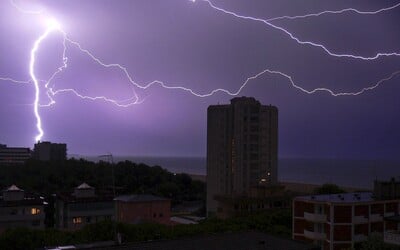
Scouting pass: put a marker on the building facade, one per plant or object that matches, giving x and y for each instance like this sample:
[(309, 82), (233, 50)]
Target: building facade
[(48, 151), (242, 148), (134, 209), (13, 155), (341, 221), (82, 207), (20, 209)]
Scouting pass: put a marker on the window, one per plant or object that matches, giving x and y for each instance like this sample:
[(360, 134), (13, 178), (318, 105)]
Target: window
[(77, 220), (36, 223), (160, 215), (35, 211), (88, 219)]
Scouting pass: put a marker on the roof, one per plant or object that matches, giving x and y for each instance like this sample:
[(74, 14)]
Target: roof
[(395, 218), (221, 241), (14, 188), (139, 198), (340, 198), (84, 186)]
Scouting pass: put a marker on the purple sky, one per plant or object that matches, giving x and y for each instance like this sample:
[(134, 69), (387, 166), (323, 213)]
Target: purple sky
[(194, 46)]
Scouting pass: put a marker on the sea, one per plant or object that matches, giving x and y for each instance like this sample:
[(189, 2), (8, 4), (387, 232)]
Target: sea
[(343, 172)]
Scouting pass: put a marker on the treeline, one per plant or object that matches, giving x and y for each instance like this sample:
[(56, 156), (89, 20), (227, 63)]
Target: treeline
[(46, 178), (277, 222)]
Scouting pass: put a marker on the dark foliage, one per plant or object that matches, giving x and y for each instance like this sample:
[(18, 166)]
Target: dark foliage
[(277, 222), (329, 189), (46, 178)]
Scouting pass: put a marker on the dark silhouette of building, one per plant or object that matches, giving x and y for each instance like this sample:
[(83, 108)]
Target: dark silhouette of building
[(242, 148), (13, 155), (47, 151), (83, 206), (386, 190), (21, 209)]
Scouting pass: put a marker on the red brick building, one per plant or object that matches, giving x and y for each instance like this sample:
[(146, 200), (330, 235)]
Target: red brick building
[(136, 209), (341, 221)]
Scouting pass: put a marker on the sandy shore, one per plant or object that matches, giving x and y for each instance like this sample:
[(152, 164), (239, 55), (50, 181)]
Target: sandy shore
[(292, 186)]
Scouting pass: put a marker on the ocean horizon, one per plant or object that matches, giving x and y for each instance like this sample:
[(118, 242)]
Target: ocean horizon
[(343, 172)]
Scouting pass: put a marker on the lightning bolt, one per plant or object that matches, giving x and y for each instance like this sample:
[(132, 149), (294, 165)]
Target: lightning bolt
[(53, 26), (13, 80), (25, 11), (36, 81), (333, 12), (296, 39)]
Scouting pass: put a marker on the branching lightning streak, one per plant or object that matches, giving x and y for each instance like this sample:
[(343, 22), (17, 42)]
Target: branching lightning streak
[(13, 80), (32, 12), (51, 93), (334, 12), (313, 44), (265, 71)]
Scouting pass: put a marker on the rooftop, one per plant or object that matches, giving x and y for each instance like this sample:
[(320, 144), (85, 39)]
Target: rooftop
[(139, 198), (13, 188), (84, 186), (340, 198)]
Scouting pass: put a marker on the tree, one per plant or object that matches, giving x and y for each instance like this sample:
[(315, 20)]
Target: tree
[(328, 188)]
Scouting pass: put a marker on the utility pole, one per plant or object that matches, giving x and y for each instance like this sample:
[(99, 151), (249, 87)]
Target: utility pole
[(110, 159)]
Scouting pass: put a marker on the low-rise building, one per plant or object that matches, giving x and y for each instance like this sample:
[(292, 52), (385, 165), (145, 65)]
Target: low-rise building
[(140, 208), (341, 221), (389, 190), (82, 207), (20, 209), (13, 155)]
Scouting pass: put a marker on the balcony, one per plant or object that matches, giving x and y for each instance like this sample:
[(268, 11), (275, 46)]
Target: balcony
[(375, 218), (315, 217), (359, 237), (21, 217), (392, 237), (314, 235), (360, 219), (388, 214)]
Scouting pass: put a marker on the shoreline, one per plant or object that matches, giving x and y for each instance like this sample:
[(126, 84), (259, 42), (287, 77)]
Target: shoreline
[(294, 186)]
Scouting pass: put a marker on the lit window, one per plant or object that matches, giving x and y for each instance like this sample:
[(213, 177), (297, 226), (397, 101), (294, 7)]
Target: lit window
[(35, 211), (77, 220)]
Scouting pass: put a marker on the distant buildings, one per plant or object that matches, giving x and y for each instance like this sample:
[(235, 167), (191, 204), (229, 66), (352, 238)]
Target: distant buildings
[(385, 190), (342, 221), (86, 206), (82, 207), (13, 155), (20, 209), (242, 148), (138, 208), (47, 151)]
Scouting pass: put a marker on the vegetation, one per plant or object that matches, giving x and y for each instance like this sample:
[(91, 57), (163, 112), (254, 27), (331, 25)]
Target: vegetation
[(276, 222), (329, 188), (46, 178)]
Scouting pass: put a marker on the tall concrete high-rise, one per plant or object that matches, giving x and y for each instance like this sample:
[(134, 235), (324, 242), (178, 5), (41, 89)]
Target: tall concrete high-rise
[(242, 148)]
